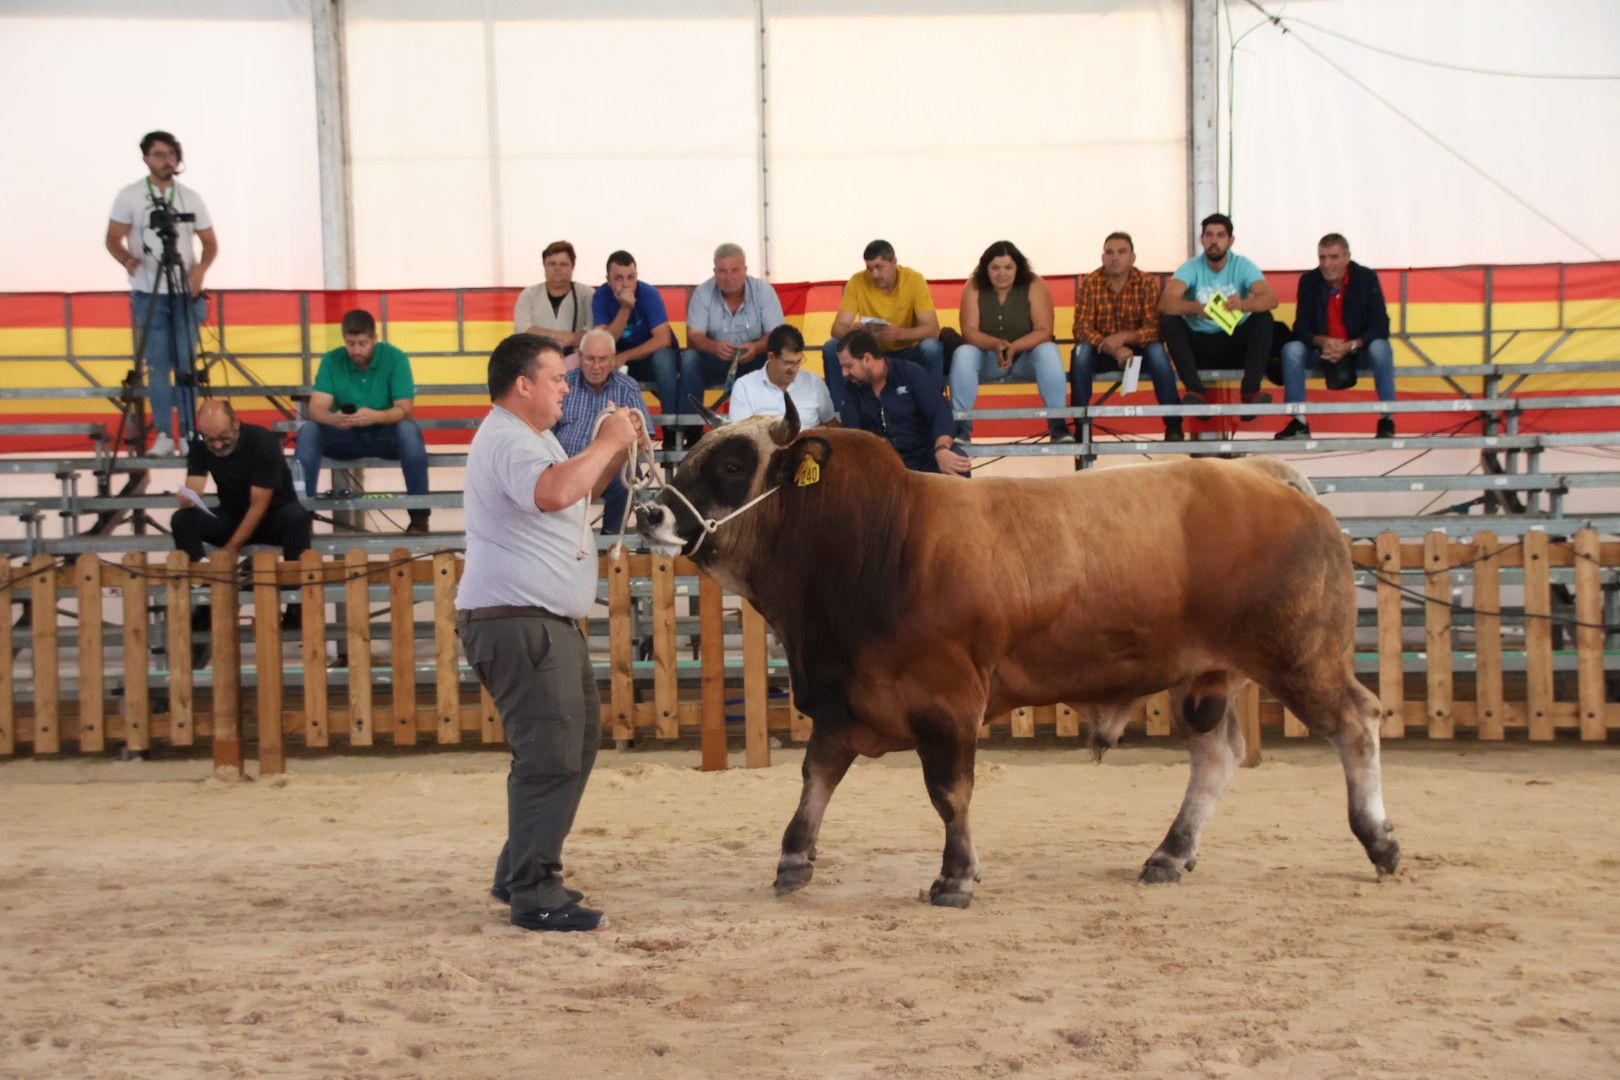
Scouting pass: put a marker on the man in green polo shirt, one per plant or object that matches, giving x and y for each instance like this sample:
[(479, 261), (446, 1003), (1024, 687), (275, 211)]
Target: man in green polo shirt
[(362, 405)]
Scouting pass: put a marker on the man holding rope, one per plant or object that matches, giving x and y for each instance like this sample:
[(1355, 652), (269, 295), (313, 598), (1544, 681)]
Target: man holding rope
[(527, 584)]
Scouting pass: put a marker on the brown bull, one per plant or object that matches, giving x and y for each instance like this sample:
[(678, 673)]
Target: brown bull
[(911, 606)]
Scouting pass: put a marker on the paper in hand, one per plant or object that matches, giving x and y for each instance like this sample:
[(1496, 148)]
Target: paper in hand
[(1131, 376), (1221, 315), (195, 500)]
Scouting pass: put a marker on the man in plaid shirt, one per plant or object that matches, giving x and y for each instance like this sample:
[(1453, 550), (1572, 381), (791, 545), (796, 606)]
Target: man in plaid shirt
[(1116, 316), (592, 386)]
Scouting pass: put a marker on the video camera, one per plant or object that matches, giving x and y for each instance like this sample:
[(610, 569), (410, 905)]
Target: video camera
[(164, 220)]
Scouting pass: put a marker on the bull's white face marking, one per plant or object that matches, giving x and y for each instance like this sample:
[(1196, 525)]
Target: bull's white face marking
[(662, 534)]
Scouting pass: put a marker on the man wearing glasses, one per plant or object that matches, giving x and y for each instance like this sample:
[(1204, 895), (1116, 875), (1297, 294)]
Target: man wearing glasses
[(257, 504), (597, 383)]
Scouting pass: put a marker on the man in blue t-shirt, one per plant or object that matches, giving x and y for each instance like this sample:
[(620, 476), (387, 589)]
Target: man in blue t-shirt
[(1196, 341), (634, 314), (899, 402)]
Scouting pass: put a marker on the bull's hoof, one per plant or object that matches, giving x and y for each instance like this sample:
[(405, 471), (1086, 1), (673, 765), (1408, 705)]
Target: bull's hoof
[(1158, 874), (941, 898), (793, 878), (1387, 860)]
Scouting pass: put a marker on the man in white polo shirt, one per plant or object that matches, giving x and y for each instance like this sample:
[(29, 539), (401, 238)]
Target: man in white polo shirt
[(763, 392), (526, 585)]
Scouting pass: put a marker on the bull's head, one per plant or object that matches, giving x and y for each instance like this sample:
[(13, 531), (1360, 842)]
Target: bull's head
[(721, 477)]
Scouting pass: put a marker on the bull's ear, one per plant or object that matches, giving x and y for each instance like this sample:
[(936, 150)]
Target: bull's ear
[(801, 464), (710, 417), (785, 430)]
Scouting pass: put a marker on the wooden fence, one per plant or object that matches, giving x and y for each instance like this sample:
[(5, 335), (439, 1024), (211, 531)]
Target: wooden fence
[(683, 659)]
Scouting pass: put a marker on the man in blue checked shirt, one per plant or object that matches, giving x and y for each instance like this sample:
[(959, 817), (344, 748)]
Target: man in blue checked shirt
[(596, 383)]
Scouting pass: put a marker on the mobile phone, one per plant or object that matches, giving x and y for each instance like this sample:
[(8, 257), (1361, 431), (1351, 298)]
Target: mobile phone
[(346, 410)]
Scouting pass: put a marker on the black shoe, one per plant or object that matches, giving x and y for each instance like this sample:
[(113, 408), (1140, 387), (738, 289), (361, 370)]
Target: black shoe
[(1193, 397), (1172, 430), (568, 917), (1386, 428), (293, 617), (1294, 428), (1060, 432), (574, 895), (419, 524), (1254, 397)]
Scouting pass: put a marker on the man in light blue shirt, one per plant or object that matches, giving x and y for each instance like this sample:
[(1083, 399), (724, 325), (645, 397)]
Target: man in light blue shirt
[(764, 392), (727, 322), (1196, 341), (594, 385)]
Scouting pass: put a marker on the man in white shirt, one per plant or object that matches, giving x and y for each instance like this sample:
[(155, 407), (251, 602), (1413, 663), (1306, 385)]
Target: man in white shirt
[(762, 392), (165, 326)]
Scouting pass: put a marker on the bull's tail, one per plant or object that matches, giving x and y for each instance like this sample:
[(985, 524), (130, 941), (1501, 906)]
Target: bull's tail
[(1282, 471)]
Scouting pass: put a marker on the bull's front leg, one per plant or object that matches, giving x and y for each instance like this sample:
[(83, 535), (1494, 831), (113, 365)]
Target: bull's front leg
[(826, 759), (947, 749)]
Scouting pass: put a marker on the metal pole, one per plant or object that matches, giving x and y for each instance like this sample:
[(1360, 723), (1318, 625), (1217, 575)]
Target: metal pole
[(1203, 107), (762, 86), (332, 142)]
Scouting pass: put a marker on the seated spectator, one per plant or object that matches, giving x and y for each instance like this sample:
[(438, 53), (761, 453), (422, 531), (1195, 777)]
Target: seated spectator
[(727, 322), (559, 307), (1341, 325), (635, 316), (1195, 341), (899, 401), (257, 503), (764, 392), (1116, 317), (594, 385), (891, 302), (1007, 329), (362, 406)]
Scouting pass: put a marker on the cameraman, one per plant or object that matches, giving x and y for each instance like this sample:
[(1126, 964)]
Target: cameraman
[(171, 342)]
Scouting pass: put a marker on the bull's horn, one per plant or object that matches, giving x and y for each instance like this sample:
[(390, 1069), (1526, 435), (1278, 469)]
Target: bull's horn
[(785, 430), (710, 417)]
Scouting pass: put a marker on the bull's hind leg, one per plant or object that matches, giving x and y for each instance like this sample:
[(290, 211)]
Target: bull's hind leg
[(947, 748), (1215, 746), (1348, 716), (826, 759)]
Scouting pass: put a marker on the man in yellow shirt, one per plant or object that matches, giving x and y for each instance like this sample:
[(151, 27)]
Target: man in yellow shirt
[(894, 304)]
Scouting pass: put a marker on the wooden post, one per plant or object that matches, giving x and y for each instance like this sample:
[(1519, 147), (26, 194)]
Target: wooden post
[(447, 684), (226, 630), (756, 690), (92, 684), (1023, 722), (1437, 632), (1391, 676), (712, 658), (402, 620), (1488, 705), (47, 687), (267, 659), (1589, 635), (800, 726), (137, 656), (8, 684), (357, 599), (1538, 636), (1067, 723), (621, 679), (1293, 727), (1158, 714), (1248, 706), (312, 629), (663, 647), (182, 725)]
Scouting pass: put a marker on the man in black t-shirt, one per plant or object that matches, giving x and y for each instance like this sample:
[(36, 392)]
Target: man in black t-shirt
[(257, 504)]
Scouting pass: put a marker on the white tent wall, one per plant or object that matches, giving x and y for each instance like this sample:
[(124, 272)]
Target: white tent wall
[(82, 81), (942, 126), (1316, 153)]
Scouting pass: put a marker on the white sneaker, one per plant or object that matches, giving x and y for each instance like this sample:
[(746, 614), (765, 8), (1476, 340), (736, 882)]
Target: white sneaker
[(163, 446)]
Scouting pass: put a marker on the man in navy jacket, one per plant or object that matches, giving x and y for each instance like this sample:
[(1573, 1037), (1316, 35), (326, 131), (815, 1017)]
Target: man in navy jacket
[(1340, 326), (899, 401)]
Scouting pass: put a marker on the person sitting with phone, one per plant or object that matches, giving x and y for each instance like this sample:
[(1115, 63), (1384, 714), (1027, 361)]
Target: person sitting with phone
[(362, 406)]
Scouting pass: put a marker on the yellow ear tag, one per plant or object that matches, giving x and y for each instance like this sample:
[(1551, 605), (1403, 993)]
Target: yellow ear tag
[(809, 472)]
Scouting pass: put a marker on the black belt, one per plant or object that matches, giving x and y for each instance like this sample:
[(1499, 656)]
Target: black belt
[(507, 611)]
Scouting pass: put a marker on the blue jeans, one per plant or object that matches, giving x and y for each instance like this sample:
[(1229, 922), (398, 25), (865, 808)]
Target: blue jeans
[(662, 369), (401, 442), (970, 366), (701, 370), (928, 352), (1377, 357), (1087, 361), (173, 330)]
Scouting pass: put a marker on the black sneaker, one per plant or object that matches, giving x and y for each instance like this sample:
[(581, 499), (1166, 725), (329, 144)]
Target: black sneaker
[(498, 893), (1254, 397), (1172, 430), (1386, 428), (1193, 397), (1060, 432), (1293, 429), (569, 917)]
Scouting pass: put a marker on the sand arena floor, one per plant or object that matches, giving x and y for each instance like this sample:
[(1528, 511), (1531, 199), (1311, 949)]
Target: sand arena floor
[(334, 922)]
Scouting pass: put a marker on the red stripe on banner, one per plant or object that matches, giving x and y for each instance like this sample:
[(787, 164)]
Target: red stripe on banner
[(24, 311), (793, 297), (1592, 281), (261, 308), (494, 305), (674, 301)]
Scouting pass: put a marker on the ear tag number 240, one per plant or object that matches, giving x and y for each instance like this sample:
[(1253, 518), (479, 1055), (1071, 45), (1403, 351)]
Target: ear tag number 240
[(809, 472)]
